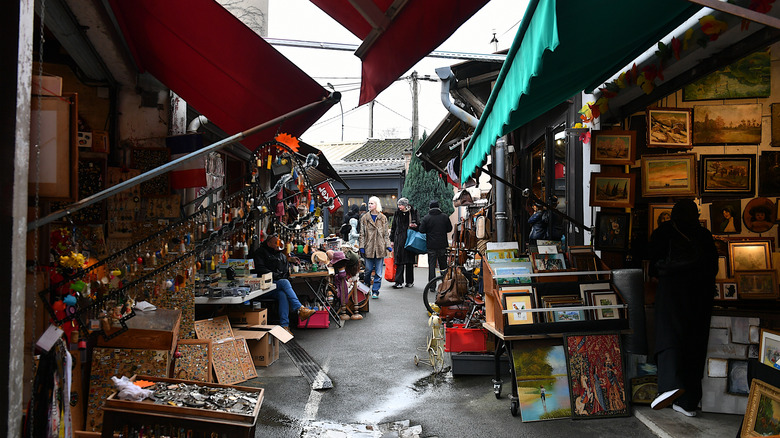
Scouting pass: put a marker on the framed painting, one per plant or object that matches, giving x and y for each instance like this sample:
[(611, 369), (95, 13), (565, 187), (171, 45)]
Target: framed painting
[(605, 299), (588, 287), (717, 292), (553, 301), (725, 215), (669, 175), (775, 110), (769, 348), (542, 382), (749, 255), (769, 173), (730, 291), (737, 381), (762, 406), (53, 127), (548, 262), (757, 285), (567, 315), (669, 128), (727, 124), (613, 147), (596, 375), (612, 231), (759, 215), (518, 301), (612, 189), (745, 78), (727, 175), (658, 214)]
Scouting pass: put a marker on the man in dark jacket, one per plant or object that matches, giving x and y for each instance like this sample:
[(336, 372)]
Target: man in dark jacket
[(436, 225), (269, 257)]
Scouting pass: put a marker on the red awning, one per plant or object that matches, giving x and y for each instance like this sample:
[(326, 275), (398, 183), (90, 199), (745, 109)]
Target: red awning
[(218, 65), (396, 34)]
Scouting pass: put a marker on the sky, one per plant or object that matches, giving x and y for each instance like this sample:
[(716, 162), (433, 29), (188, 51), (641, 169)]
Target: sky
[(302, 20)]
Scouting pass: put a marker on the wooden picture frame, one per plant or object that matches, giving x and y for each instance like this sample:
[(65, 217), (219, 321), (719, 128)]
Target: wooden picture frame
[(567, 315), (596, 354), (727, 124), (612, 189), (613, 147), (763, 400), (657, 214), (54, 127), (548, 262), (669, 128), (605, 299), (725, 216), (669, 175), (613, 231), (730, 291), (727, 175), (518, 301), (769, 348), (750, 255), (759, 215), (757, 285)]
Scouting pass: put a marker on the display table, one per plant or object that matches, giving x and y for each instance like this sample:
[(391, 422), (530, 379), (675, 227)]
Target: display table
[(317, 283), (234, 300)]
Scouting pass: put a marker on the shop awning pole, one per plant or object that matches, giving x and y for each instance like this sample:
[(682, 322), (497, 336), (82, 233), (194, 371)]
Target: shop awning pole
[(97, 197)]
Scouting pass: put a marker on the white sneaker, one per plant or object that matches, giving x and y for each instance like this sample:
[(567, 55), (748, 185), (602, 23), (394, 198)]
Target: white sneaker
[(665, 399), (679, 409)]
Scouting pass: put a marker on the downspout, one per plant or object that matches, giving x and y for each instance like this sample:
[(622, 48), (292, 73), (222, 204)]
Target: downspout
[(192, 128), (445, 74)]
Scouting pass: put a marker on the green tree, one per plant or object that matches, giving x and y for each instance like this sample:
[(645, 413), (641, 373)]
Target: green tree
[(421, 187)]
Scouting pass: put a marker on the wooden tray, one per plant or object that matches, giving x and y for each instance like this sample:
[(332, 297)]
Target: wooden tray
[(149, 407)]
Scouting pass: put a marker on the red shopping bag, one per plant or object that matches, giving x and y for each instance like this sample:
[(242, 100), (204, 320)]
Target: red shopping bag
[(389, 269)]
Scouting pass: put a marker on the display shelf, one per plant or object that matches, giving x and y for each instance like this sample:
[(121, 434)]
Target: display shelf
[(234, 300)]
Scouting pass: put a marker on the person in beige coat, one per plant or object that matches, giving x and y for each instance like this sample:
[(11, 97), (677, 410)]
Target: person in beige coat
[(374, 243)]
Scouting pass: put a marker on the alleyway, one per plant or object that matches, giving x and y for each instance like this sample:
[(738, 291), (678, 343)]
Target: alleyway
[(376, 382)]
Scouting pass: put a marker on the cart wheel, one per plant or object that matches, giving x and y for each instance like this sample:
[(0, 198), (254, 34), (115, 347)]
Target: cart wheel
[(437, 359), (514, 407), (497, 388), (416, 360)]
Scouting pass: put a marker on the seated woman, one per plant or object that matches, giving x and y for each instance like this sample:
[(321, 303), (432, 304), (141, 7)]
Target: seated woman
[(269, 257)]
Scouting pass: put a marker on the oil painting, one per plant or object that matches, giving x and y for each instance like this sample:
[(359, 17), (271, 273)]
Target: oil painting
[(612, 190), (669, 127), (761, 415), (542, 382), (727, 124), (669, 175), (613, 147), (727, 175), (725, 216), (744, 78)]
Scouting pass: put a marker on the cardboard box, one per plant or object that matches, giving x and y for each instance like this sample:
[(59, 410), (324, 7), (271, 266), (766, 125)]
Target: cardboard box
[(250, 317), (46, 85), (263, 342)]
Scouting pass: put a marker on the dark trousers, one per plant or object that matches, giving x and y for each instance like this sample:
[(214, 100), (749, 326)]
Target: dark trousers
[(436, 256), (681, 369), (400, 269)]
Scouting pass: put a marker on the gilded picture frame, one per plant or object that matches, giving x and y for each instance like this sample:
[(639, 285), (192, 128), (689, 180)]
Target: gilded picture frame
[(669, 175), (612, 189), (613, 147), (669, 128), (763, 401), (757, 285), (727, 175)]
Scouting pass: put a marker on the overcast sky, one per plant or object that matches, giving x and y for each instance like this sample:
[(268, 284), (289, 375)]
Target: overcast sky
[(302, 20)]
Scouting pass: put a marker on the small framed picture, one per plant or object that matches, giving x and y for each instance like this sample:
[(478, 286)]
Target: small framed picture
[(750, 255), (612, 231), (548, 262), (730, 291), (612, 189), (567, 315), (606, 299), (757, 285), (669, 128), (769, 348), (613, 147), (659, 213), (518, 301), (717, 292), (759, 215)]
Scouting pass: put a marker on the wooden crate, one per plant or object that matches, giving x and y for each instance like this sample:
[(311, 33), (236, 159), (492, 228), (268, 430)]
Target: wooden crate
[(151, 330)]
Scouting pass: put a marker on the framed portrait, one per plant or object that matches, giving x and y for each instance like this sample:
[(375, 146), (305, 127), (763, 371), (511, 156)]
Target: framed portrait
[(658, 214), (763, 403), (730, 291), (727, 175), (769, 173), (757, 285), (596, 354), (669, 175), (669, 128), (605, 299), (613, 147), (769, 348), (518, 301), (759, 215), (725, 216), (612, 189), (548, 262), (612, 231), (737, 381), (727, 124), (749, 255), (53, 127), (744, 78)]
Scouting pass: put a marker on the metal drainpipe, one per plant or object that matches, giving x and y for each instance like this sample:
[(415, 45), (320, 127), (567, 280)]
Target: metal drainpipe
[(501, 218), (192, 128), (445, 74)]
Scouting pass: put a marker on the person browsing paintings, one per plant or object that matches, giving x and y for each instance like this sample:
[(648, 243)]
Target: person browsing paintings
[(405, 218), (538, 222), (374, 243), (436, 225), (270, 257), (684, 262)]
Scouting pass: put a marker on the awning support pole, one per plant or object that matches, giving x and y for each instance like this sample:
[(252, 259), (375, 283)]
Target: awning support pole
[(97, 197), (500, 160)]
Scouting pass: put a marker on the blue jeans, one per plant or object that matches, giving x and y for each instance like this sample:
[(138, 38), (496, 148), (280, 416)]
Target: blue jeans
[(378, 265), (287, 299)]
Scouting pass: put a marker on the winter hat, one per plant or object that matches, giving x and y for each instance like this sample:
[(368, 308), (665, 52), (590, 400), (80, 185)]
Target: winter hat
[(403, 201), (434, 204), (363, 207), (337, 257), (353, 208)]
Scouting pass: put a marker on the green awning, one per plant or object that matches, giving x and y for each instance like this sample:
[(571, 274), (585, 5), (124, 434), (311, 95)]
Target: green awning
[(561, 49)]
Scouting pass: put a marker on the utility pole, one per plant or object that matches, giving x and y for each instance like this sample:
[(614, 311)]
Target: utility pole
[(371, 119), (415, 119)]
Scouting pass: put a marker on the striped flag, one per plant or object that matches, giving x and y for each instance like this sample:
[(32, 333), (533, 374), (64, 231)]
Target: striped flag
[(193, 172)]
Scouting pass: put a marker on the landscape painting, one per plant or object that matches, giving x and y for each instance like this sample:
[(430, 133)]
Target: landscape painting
[(747, 77), (612, 189), (727, 124), (727, 175), (669, 127), (542, 382), (669, 175)]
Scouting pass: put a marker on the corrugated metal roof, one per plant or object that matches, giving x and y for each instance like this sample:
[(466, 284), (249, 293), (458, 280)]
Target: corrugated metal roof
[(335, 152), (369, 167)]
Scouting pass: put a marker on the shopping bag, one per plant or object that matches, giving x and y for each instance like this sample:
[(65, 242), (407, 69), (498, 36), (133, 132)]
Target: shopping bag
[(416, 242), (389, 269)]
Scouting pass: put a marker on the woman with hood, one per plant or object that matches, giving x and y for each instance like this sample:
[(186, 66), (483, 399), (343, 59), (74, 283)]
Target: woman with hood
[(684, 260)]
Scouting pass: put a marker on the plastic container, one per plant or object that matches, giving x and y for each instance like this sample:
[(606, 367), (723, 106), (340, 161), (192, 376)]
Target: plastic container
[(459, 339), (476, 364)]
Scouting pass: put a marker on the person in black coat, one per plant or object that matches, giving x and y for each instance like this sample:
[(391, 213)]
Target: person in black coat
[(436, 225), (405, 218), (354, 213), (684, 260)]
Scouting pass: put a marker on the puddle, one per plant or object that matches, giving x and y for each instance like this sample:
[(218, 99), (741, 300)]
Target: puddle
[(433, 380), (273, 418)]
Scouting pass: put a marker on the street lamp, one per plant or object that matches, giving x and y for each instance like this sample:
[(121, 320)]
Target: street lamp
[(342, 110)]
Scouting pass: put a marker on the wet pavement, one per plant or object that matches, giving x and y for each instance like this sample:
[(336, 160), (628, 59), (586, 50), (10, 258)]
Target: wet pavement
[(378, 391)]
